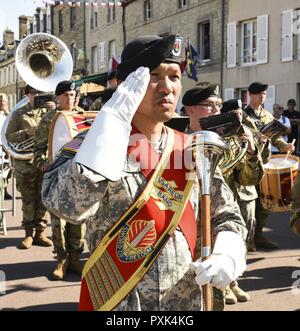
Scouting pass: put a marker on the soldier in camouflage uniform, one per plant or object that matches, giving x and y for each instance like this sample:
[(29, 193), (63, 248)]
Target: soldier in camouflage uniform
[(21, 127), (98, 186), (204, 101), (261, 117), (68, 239), (98, 103)]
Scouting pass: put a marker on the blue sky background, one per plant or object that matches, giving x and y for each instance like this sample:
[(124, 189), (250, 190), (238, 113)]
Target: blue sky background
[(10, 10)]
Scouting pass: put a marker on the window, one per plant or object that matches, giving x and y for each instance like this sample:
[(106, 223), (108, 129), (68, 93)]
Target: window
[(244, 97), (249, 42), (148, 10), (49, 19), (94, 59), (102, 62), (72, 16), (94, 17), (182, 4), (45, 23), (14, 73), (61, 21), (74, 54), (111, 13), (1, 78), (204, 40)]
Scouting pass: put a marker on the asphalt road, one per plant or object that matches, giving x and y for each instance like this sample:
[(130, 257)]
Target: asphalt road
[(28, 286)]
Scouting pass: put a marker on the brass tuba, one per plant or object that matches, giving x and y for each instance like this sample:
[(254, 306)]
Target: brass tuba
[(42, 60)]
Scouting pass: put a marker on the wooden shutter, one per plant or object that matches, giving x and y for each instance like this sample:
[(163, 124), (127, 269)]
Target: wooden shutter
[(262, 38), (231, 45), (287, 35)]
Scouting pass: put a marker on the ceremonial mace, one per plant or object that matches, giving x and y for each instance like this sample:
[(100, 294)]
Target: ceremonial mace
[(208, 149)]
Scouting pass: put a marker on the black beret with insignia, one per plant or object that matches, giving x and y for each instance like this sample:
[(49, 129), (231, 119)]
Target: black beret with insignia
[(64, 86), (231, 104), (257, 87), (149, 51), (200, 93)]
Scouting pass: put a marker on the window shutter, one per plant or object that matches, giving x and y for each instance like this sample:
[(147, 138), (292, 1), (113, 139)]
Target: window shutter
[(270, 100), (228, 94), (287, 35), (262, 38), (231, 45)]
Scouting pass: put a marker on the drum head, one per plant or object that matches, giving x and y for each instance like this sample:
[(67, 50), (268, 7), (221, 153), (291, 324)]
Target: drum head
[(59, 135)]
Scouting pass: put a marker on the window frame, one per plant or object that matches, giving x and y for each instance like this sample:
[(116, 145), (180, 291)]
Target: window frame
[(200, 45), (73, 16), (251, 63), (111, 13), (182, 4), (61, 21), (149, 4)]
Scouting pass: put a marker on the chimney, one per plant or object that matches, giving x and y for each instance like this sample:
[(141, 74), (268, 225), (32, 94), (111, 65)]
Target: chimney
[(22, 26), (8, 37)]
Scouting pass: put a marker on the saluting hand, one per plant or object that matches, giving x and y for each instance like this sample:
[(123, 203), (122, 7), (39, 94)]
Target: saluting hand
[(128, 96)]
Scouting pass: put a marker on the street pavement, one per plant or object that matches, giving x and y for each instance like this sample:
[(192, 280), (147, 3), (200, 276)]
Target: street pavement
[(268, 279)]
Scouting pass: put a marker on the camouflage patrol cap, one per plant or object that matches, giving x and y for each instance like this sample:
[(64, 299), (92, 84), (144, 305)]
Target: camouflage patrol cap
[(149, 51)]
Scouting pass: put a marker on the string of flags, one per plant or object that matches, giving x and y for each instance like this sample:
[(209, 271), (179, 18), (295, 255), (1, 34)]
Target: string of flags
[(103, 3)]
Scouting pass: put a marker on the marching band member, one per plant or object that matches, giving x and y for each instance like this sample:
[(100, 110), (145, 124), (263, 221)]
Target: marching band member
[(21, 127), (6, 168), (204, 101), (68, 239), (261, 117), (111, 185), (295, 213)]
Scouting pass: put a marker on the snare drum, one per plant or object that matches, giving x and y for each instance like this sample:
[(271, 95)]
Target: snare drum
[(277, 183), (64, 127)]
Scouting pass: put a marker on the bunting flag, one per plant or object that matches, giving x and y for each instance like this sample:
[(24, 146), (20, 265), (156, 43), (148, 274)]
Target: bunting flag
[(93, 3), (192, 58)]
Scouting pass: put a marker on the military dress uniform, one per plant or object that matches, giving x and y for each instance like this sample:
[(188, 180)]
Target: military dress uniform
[(68, 239), (78, 194), (28, 177)]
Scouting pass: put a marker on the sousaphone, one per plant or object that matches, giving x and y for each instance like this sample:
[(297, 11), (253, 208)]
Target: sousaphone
[(42, 60)]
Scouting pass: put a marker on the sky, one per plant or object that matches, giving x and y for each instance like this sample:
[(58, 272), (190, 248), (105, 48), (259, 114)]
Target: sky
[(10, 10)]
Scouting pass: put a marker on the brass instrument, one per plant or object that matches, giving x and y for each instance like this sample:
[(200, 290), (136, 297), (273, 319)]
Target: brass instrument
[(228, 126), (42, 60)]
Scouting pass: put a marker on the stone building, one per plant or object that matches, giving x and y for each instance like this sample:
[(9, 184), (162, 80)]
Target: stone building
[(199, 21), (8, 73), (263, 44)]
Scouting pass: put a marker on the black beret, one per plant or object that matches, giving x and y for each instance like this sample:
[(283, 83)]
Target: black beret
[(149, 51), (257, 87), (200, 93), (64, 86), (231, 104)]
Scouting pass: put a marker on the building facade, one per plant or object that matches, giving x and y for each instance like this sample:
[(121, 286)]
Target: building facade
[(263, 44), (198, 21)]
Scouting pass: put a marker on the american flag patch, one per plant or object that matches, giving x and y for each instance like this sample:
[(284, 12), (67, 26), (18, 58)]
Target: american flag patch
[(73, 145)]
